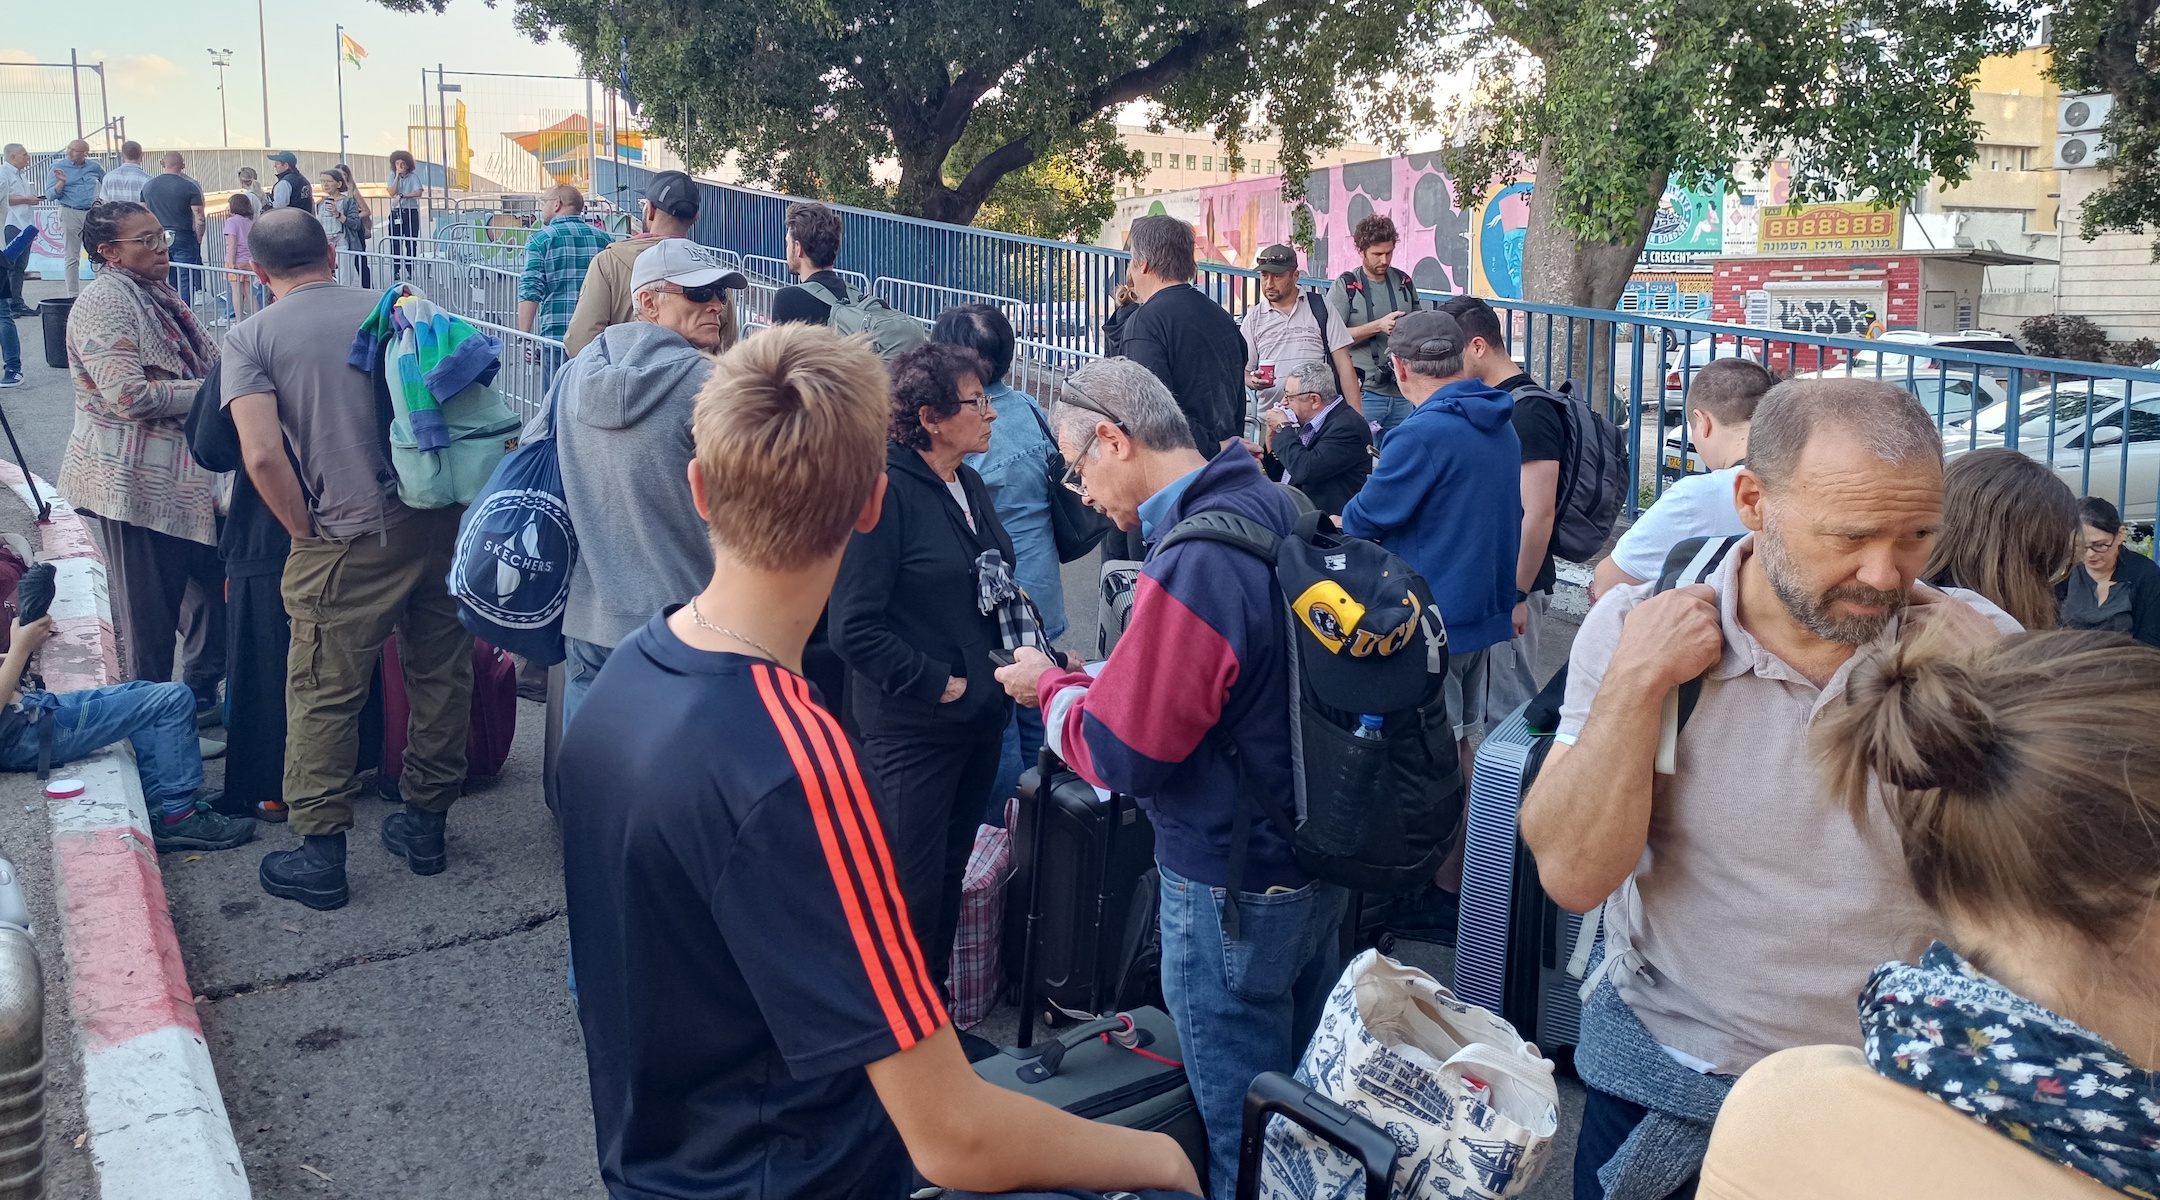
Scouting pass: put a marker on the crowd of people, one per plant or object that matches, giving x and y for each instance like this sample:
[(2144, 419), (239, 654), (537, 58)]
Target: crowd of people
[(1928, 876)]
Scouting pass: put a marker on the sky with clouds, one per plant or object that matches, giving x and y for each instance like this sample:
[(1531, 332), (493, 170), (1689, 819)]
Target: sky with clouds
[(159, 76)]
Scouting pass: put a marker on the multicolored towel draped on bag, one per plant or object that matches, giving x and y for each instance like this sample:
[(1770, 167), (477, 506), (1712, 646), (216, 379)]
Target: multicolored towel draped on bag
[(437, 356)]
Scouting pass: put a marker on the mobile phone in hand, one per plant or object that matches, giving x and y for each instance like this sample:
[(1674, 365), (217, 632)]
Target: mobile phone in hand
[(1001, 658), (34, 593)]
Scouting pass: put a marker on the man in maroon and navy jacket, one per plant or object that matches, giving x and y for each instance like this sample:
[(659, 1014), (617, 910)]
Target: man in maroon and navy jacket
[(1206, 650)]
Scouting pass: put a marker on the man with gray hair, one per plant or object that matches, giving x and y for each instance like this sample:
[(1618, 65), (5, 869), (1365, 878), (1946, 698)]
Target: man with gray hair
[(623, 412), (1186, 339), (1201, 672), (19, 193), (1741, 911), (1323, 445)]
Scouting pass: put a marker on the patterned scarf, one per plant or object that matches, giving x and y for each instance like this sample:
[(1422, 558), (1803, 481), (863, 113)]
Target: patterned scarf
[(1019, 624), (2042, 1081), (163, 310)]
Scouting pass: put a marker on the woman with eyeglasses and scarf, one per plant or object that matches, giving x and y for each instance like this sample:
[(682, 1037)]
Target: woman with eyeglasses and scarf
[(137, 357), (921, 603), (2017, 1057)]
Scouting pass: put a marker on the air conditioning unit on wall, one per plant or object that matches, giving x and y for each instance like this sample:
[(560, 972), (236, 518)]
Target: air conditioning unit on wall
[(2083, 114), (2077, 150)]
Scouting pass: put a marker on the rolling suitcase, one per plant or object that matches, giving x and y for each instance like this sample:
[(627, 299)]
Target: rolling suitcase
[(1275, 1094), (1515, 946), (1126, 1067), (1085, 894), (491, 725)]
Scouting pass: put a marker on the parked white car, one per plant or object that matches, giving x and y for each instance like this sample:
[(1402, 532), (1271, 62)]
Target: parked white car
[(2114, 453)]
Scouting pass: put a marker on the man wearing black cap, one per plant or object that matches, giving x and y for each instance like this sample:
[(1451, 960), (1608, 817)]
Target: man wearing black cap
[(292, 189), (1292, 328), (670, 208), (1446, 496)]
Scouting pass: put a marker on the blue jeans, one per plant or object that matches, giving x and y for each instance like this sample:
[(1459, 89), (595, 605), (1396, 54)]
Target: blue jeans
[(157, 718), (10, 342), (581, 665), (1386, 411), (1247, 1006), (1023, 744), (184, 281)]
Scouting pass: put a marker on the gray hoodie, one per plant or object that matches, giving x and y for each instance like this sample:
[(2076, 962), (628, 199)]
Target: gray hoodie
[(623, 419)]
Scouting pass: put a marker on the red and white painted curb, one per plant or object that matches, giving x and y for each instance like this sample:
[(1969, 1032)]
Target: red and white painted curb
[(156, 1119)]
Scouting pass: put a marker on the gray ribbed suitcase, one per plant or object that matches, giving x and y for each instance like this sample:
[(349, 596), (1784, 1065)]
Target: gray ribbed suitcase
[(1514, 943), (1090, 1072)]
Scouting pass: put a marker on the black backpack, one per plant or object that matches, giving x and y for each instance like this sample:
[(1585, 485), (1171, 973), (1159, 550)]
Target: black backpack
[(1376, 814), (1593, 476)]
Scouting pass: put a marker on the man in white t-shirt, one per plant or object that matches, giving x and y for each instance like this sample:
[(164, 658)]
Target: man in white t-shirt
[(1721, 405), (19, 192), (1743, 909)]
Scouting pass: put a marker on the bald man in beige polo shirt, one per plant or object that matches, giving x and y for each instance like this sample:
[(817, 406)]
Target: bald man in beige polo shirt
[(1742, 910)]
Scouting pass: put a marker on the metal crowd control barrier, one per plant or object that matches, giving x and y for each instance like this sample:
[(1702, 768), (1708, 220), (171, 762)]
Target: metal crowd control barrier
[(529, 365), (2097, 426), (220, 297), (776, 269), (926, 301)]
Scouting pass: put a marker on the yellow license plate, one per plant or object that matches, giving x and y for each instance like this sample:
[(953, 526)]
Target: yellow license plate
[(1673, 461)]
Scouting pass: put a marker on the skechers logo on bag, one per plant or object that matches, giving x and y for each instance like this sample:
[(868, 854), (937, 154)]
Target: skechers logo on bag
[(511, 565)]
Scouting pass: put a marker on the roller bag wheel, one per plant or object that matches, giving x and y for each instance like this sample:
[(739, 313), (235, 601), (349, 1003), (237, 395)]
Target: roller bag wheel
[(1088, 859), (1514, 945), (1125, 1070), (1275, 1094)]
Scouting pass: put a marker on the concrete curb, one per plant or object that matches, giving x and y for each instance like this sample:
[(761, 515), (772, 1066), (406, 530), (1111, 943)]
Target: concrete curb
[(157, 1121)]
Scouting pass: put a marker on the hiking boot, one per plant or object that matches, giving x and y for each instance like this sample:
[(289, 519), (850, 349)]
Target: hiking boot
[(417, 837), (204, 829), (314, 874)]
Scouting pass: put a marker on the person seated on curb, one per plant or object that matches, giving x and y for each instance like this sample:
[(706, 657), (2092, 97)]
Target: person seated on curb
[(758, 1018), (622, 414), (1721, 405), (2026, 799), (1205, 657), (157, 719), (1741, 912), (1323, 444)]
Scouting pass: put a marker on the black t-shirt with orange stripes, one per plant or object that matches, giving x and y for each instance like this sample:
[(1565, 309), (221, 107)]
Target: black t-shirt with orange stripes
[(741, 944)]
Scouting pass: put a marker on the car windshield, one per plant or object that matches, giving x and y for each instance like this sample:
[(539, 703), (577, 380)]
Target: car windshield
[(1897, 357), (2065, 404)]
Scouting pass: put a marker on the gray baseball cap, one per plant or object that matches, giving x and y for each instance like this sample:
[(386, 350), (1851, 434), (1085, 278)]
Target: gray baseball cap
[(683, 263), (1425, 335), (1276, 259)]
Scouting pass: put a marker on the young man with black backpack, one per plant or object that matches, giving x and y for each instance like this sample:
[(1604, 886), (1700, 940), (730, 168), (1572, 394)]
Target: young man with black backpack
[(1370, 299), (1540, 424)]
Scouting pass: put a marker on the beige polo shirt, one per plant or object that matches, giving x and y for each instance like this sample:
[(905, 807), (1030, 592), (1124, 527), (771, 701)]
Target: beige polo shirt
[(1288, 338), (1758, 909)]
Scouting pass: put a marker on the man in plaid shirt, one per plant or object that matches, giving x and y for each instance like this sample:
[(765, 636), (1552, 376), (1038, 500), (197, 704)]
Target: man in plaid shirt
[(555, 260)]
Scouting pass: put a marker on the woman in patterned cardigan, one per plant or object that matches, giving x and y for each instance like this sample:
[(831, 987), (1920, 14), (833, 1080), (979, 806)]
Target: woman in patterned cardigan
[(138, 357)]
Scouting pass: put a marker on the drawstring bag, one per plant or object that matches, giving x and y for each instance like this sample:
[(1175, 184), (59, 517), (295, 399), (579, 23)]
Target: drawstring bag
[(1472, 1106)]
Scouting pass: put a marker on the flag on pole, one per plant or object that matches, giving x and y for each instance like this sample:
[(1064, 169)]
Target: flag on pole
[(351, 49)]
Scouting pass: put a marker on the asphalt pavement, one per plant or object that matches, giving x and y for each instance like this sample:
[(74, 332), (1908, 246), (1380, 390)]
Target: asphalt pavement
[(418, 1043)]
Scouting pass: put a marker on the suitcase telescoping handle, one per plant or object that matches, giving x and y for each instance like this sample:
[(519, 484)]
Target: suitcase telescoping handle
[(1046, 764), (1276, 1094)]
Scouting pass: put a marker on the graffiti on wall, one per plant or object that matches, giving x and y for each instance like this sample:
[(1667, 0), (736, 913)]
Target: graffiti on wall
[(1840, 316)]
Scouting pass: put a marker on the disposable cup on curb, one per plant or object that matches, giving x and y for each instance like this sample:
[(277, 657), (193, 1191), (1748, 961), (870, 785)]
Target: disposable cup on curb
[(64, 789)]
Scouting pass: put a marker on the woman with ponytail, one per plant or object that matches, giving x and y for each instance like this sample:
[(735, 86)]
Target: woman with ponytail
[(2020, 1058)]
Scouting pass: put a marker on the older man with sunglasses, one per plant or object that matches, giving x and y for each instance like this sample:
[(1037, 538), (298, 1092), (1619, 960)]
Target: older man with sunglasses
[(622, 409)]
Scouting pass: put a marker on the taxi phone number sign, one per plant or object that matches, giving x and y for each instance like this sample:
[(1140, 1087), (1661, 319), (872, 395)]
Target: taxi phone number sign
[(1829, 229)]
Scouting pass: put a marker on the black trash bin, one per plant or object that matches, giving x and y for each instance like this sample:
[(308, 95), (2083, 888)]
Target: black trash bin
[(53, 311)]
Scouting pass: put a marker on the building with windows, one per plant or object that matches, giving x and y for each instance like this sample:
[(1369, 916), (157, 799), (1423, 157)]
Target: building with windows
[(1177, 160)]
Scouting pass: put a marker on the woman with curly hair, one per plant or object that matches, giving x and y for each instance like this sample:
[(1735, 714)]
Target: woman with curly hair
[(915, 614)]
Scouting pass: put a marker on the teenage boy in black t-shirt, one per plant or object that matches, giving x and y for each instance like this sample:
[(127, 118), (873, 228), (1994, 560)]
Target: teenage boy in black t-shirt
[(759, 1021), (1511, 668)]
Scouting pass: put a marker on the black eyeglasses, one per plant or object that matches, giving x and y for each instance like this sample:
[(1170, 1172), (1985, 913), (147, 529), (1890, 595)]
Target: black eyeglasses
[(1071, 394), (704, 294)]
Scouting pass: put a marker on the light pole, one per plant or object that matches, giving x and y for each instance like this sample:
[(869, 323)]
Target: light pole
[(222, 59)]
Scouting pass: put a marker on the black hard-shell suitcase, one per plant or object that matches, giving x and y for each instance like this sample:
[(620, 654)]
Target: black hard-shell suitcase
[(1089, 860), (1275, 1094), (1514, 944), (1125, 1070)]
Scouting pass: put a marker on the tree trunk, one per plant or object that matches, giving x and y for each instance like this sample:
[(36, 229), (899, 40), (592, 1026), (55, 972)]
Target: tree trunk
[(1561, 268)]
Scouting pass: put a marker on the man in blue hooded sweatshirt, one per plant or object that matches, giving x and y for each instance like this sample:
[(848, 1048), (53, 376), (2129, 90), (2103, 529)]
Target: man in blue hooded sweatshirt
[(1446, 496)]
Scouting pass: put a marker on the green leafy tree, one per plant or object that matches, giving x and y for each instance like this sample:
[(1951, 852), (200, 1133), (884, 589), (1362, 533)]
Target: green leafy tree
[(1608, 100), (2113, 46), (964, 94)]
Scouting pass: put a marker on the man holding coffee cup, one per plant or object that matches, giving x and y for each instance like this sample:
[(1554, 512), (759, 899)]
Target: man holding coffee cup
[(1288, 328)]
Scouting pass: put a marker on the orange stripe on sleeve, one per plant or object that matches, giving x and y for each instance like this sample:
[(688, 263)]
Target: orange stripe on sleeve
[(835, 861), (866, 837)]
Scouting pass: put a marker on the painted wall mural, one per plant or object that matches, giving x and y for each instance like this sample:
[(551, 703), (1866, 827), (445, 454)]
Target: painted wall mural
[(1443, 247)]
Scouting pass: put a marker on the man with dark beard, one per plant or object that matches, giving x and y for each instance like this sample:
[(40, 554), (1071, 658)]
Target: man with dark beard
[(1742, 911)]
